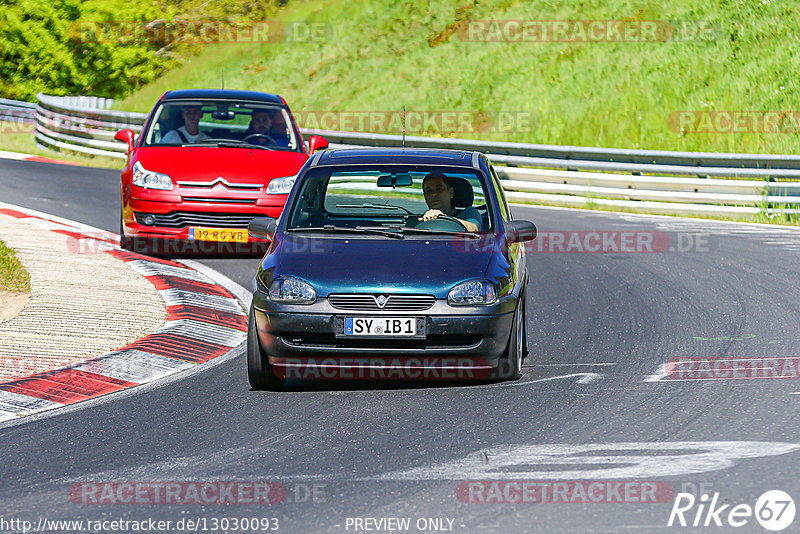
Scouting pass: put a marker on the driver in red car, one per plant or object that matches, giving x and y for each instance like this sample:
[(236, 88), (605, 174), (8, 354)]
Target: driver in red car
[(258, 132), (439, 196)]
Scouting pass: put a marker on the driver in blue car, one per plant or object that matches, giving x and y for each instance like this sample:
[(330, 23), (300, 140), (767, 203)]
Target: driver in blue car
[(439, 196)]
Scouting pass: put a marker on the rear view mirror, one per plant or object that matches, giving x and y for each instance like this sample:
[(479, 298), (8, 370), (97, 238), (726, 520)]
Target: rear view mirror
[(223, 115), (395, 180), (262, 228)]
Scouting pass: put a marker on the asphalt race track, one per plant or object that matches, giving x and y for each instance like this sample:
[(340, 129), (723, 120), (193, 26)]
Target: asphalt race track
[(594, 403)]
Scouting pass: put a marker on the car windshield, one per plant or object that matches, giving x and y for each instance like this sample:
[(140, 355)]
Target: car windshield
[(229, 123), (388, 197)]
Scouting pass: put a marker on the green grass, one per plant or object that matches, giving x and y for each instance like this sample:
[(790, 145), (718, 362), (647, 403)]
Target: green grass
[(13, 276), (381, 55), (386, 54)]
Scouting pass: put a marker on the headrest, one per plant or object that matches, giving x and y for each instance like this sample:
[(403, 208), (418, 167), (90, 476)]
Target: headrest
[(463, 195)]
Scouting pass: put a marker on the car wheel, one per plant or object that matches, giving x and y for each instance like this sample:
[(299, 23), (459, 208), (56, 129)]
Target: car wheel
[(510, 365), (525, 351), (124, 242), (259, 371)]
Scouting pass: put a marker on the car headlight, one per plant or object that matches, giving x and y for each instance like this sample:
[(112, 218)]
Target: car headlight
[(292, 290), (281, 186), (472, 293), (149, 179)]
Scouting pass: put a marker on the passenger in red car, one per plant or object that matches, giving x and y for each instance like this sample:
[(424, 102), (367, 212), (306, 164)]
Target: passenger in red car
[(190, 131)]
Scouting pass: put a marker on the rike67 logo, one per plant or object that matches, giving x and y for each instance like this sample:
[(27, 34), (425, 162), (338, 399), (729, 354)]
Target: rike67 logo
[(774, 510)]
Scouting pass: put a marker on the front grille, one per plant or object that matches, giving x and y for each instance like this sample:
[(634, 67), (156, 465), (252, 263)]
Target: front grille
[(180, 219), (366, 302), (221, 200), (211, 185)]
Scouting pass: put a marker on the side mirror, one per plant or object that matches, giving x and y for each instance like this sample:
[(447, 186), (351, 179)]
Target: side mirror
[(316, 142), (126, 136), (263, 228), (519, 231)]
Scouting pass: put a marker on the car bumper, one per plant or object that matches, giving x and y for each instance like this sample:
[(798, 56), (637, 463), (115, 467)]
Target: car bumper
[(178, 237), (455, 338)]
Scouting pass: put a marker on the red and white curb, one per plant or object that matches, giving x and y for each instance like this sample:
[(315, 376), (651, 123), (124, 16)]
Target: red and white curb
[(19, 156), (204, 321)]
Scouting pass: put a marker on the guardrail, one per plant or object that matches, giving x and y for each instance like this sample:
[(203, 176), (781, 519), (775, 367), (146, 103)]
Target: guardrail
[(62, 123), (16, 110)]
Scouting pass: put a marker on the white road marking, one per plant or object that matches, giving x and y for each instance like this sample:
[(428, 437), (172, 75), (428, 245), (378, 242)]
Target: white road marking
[(595, 461), (586, 378)]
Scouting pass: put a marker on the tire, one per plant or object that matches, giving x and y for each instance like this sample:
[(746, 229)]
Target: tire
[(510, 365), (525, 351), (259, 371), (124, 242)]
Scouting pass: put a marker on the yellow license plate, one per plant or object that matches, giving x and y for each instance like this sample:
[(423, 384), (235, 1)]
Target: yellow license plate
[(236, 235)]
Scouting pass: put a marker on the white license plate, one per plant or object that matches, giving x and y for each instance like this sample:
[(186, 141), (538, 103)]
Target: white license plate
[(380, 326)]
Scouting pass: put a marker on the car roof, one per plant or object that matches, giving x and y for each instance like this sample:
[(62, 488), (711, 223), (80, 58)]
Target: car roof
[(231, 94), (410, 156)]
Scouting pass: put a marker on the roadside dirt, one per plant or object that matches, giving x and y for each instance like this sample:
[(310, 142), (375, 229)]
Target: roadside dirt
[(11, 303)]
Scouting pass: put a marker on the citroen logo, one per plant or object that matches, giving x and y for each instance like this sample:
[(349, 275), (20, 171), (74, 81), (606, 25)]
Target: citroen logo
[(381, 301)]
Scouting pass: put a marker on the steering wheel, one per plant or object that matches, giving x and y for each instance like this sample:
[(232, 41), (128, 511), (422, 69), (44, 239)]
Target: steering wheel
[(444, 223), (260, 136)]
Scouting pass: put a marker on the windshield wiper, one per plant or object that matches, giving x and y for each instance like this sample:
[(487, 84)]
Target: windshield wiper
[(346, 229), (375, 206), (410, 229), (228, 144)]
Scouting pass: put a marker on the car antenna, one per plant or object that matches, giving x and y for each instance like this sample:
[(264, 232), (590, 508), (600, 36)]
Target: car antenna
[(222, 75), (404, 126)]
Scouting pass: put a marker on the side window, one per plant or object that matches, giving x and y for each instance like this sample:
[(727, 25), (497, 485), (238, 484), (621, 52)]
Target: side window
[(498, 189)]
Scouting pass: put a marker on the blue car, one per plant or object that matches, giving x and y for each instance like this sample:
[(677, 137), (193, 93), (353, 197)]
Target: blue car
[(390, 264)]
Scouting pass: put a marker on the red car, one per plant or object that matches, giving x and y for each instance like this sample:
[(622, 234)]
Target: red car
[(206, 163)]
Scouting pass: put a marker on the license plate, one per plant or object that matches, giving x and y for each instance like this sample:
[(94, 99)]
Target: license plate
[(380, 326), (236, 235)]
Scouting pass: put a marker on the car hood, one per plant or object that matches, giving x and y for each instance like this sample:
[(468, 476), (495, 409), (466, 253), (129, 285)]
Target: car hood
[(381, 265), (206, 164)]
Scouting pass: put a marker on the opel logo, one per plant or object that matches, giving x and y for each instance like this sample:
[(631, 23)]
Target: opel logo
[(381, 301)]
